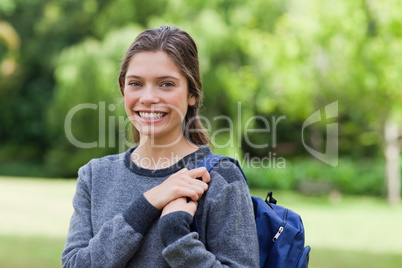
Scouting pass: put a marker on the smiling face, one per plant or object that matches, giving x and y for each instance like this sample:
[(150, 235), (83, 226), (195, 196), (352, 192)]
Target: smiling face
[(156, 96)]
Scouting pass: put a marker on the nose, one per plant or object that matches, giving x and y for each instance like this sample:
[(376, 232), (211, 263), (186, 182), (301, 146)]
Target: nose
[(149, 96)]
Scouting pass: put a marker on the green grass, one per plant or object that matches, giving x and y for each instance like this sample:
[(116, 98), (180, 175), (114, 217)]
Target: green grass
[(34, 218), (330, 258), (30, 251), (35, 206), (343, 231)]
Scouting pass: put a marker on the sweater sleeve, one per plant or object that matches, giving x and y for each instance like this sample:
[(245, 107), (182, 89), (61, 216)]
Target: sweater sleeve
[(117, 240), (227, 221)]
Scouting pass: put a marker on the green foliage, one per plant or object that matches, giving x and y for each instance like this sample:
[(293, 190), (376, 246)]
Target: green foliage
[(276, 57), (24, 168), (312, 177), (44, 29), (87, 98)]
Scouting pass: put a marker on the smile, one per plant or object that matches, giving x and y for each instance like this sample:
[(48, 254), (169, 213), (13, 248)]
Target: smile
[(151, 116)]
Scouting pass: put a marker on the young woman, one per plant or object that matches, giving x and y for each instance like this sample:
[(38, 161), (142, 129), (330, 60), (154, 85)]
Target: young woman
[(136, 209)]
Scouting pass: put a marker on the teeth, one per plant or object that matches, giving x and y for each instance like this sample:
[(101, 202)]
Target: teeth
[(151, 115)]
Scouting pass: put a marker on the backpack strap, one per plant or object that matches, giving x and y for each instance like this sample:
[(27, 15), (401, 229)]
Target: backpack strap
[(211, 160)]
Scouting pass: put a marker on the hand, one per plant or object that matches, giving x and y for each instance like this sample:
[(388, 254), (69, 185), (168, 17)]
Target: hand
[(181, 184), (180, 204)]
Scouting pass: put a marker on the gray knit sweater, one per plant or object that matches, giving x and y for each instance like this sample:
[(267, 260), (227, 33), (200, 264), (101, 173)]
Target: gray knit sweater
[(113, 225)]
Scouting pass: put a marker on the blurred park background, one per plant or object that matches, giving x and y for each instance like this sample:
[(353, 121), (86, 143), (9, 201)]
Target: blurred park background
[(279, 61)]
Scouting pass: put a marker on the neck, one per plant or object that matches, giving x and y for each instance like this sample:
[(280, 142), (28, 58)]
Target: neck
[(156, 156)]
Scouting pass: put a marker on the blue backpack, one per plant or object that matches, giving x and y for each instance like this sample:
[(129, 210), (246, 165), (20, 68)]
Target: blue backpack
[(280, 231)]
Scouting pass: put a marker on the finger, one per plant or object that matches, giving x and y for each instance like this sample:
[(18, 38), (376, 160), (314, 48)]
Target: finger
[(200, 172), (197, 191), (192, 195), (193, 186), (181, 171), (190, 206)]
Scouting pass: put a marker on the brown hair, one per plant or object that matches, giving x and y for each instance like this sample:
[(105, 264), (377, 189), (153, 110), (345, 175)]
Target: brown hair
[(182, 49)]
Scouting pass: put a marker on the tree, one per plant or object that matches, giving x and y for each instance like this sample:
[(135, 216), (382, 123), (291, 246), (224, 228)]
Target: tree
[(314, 58), (86, 117)]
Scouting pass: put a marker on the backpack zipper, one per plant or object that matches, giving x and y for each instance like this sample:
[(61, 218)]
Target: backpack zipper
[(285, 215), (277, 234)]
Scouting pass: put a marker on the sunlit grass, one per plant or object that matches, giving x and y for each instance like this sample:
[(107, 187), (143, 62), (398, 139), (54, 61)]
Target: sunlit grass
[(35, 206), (336, 258), (30, 251)]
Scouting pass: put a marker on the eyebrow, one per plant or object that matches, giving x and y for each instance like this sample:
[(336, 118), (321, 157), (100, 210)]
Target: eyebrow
[(159, 77)]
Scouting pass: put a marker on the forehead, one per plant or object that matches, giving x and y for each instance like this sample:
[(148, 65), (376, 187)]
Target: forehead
[(156, 63)]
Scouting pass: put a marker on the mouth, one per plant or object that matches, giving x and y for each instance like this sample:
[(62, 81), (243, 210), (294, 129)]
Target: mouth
[(151, 116)]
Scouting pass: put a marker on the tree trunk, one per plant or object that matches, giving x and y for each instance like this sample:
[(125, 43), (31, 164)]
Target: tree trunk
[(392, 150)]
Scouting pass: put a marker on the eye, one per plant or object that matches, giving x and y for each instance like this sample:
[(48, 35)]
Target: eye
[(167, 84), (134, 84)]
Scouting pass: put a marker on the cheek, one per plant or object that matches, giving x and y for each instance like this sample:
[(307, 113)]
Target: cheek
[(129, 97), (181, 103), (128, 103)]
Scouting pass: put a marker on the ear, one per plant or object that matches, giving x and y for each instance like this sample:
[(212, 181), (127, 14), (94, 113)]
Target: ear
[(192, 100)]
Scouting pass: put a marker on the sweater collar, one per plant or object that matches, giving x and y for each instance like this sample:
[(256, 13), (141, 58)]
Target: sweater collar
[(189, 161)]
